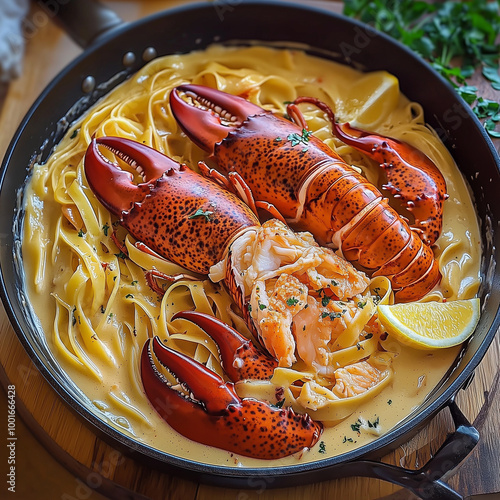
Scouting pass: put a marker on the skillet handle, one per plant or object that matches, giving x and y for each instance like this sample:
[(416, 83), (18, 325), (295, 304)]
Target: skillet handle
[(83, 20), (426, 482)]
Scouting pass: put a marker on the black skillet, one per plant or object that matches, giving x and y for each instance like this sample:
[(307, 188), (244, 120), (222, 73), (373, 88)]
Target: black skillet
[(115, 50)]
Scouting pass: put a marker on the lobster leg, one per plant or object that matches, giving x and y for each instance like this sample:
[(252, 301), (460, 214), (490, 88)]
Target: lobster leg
[(213, 414), (153, 275)]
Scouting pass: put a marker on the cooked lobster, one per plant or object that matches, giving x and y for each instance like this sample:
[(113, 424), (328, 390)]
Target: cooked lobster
[(192, 221), (214, 414), (282, 163)]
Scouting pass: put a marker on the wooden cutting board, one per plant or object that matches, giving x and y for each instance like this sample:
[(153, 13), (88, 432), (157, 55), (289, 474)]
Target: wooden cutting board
[(58, 456)]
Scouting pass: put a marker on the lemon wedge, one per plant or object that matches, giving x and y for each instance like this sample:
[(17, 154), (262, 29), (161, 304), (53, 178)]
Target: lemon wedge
[(382, 96), (430, 325)]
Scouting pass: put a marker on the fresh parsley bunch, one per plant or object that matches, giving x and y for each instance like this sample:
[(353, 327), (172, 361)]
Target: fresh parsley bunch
[(455, 37)]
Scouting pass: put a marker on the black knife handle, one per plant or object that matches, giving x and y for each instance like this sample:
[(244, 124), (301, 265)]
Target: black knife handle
[(83, 20), (426, 482)]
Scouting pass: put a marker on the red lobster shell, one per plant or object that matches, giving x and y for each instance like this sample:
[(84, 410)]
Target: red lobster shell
[(189, 219), (315, 190)]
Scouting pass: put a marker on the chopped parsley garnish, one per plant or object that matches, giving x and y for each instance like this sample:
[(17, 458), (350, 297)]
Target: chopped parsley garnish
[(129, 296), (262, 306), (297, 139), (356, 426), (201, 213), (348, 440), (377, 297), (491, 74), (374, 423), (279, 404), (389, 401), (75, 133), (292, 301), (105, 228), (121, 255), (81, 233), (490, 111), (361, 305), (133, 283), (444, 32), (325, 300), (322, 447), (332, 315)]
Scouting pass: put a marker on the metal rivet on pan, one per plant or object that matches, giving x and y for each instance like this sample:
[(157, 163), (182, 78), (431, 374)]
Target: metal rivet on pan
[(129, 59), (149, 54), (88, 84)]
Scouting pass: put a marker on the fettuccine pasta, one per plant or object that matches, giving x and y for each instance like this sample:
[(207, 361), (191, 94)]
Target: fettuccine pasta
[(87, 283)]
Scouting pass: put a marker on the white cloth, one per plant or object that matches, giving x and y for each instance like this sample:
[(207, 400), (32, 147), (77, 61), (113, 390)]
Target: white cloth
[(12, 41)]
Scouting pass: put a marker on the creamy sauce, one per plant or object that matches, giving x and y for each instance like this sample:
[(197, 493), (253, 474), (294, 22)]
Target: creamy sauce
[(416, 374), (116, 393)]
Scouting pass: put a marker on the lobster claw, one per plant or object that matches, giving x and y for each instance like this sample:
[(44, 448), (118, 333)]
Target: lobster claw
[(240, 358), (171, 201), (101, 173), (209, 114), (212, 413), (411, 176)]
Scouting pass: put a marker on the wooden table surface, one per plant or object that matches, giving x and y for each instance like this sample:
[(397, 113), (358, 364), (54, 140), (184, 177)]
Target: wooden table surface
[(44, 421)]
